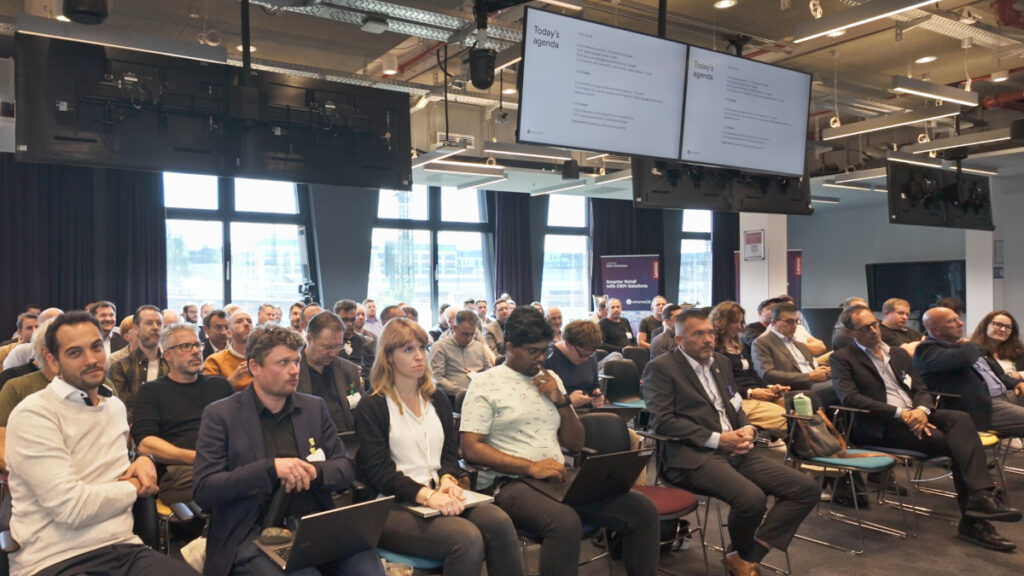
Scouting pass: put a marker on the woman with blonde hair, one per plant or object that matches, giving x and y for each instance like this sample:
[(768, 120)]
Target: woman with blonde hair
[(408, 449)]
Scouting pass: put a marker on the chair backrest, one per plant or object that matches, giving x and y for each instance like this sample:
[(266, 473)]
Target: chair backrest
[(638, 355), (600, 354), (147, 522), (624, 383), (605, 433)]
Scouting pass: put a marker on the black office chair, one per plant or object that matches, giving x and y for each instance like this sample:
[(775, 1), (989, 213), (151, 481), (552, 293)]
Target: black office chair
[(638, 355), (622, 387)]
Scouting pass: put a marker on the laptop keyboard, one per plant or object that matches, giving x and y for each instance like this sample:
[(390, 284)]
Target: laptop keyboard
[(283, 553)]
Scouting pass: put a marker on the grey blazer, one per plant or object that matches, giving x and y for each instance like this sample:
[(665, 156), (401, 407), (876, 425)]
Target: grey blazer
[(681, 408), (776, 365), (495, 336)]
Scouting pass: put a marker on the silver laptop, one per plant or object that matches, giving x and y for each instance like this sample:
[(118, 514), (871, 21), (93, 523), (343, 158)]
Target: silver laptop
[(333, 535)]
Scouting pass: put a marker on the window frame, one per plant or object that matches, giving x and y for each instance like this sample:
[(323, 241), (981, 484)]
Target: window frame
[(434, 224), (227, 215), (706, 236), (585, 231)]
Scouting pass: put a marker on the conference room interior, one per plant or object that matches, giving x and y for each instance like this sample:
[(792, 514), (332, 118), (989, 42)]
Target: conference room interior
[(75, 233)]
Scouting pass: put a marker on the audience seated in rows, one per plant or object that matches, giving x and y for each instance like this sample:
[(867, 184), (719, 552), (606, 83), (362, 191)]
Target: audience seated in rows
[(494, 333), (554, 317), (456, 360), (665, 340), (354, 348), (754, 329), (948, 363), (26, 324), (515, 419), (870, 375), (645, 335), (230, 362), (106, 313), (145, 363), (780, 359), (574, 361), (248, 446), (71, 480), (405, 411), (215, 326), (324, 374), (22, 353), (372, 325), (168, 409), (692, 398), (840, 335), (895, 332), (616, 333), (128, 332), (762, 403)]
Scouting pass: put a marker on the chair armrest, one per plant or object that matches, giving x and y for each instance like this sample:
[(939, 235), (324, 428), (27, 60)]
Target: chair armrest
[(472, 472), (182, 512), (656, 436), (850, 409), (944, 394), (795, 416), (7, 543)]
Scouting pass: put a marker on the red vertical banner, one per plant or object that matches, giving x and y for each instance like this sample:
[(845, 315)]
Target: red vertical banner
[(794, 274)]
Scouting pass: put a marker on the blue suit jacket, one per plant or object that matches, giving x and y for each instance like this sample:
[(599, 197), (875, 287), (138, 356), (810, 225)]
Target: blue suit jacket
[(231, 473)]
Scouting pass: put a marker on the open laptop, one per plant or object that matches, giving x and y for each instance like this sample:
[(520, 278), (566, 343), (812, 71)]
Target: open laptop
[(600, 477), (333, 535)]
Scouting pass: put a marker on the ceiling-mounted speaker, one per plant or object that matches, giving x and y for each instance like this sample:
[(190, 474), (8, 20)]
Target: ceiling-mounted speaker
[(91, 12), (1017, 129)]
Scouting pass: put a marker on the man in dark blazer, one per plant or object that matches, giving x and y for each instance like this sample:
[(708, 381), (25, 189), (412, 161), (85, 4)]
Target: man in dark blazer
[(870, 375), (779, 359), (713, 451), (266, 436), (948, 363), (323, 374)]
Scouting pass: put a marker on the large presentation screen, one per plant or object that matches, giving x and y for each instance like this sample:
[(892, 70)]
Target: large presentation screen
[(594, 87), (745, 114)]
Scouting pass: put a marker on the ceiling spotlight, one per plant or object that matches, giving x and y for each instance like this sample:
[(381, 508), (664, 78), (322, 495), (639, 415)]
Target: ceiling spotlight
[(967, 17), (389, 64), (509, 90), (815, 7), (836, 34), (834, 122), (1000, 76), (721, 4), (925, 60), (923, 138), (238, 48)]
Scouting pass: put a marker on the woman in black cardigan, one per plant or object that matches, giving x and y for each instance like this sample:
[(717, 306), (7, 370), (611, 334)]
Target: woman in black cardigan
[(408, 448)]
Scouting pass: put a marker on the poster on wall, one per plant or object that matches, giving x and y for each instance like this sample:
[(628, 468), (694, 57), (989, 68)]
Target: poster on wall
[(794, 274), (634, 281)]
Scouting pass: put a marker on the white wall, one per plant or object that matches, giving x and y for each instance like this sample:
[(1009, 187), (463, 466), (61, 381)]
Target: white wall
[(837, 243), (1011, 210), (762, 279)]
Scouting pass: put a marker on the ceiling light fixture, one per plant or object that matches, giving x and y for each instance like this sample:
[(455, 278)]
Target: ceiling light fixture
[(825, 199), (973, 139), (848, 187), (886, 122), (836, 34), (557, 189), (614, 177), (374, 25), (1000, 76), (438, 154), (63, 18), (722, 4), (926, 60), (543, 152), (484, 165), (464, 170), (576, 5), (240, 48), (851, 17), (481, 184), (904, 158), (905, 85), (861, 175), (389, 64), (420, 104)]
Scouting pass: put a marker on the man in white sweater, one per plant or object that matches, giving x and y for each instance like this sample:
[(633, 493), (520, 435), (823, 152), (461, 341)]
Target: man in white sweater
[(72, 485)]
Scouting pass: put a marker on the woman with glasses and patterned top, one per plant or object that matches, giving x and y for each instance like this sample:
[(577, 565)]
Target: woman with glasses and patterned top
[(408, 448), (761, 402), (573, 360), (999, 334)]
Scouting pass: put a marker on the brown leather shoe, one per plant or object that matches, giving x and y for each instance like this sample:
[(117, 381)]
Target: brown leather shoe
[(737, 566)]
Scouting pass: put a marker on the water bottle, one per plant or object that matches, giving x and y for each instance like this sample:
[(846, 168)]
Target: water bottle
[(802, 405)]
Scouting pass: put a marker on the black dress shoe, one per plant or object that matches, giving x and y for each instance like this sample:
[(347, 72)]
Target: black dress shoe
[(886, 481), (983, 534), (985, 506)]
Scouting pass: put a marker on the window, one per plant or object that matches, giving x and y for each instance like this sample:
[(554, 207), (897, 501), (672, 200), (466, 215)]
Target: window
[(565, 277), (429, 247), (695, 258), (241, 241)]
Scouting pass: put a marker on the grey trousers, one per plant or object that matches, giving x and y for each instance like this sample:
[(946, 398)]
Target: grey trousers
[(1007, 414)]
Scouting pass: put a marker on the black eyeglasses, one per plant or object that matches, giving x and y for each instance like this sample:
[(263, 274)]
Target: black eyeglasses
[(867, 328), (187, 347)]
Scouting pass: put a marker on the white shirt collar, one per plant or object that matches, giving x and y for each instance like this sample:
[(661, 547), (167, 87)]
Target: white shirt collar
[(695, 364), (885, 348), (66, 391), (779, 334)]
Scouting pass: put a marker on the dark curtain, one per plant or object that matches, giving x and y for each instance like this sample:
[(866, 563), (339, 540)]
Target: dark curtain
[(73, 235), (138, 239), (513, 269), (725, 240), (617, 228), (46, 221)]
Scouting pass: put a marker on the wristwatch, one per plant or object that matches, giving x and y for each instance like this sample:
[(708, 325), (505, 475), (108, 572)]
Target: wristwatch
[(561, 405)]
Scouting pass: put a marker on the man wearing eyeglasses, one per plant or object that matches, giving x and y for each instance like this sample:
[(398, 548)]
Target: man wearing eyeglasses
[(168, 410), (515, 420), (779, 359), (322, 373), (870, 375)]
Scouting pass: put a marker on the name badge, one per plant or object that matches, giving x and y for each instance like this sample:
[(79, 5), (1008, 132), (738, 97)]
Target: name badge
[(736, 401), (629, 335), (744, 363), (907, 380)]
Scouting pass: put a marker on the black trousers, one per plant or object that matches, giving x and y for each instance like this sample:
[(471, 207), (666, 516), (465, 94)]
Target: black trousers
[(119, 560), (954, 436)]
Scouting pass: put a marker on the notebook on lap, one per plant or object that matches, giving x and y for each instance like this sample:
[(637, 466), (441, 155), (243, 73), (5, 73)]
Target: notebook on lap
[(333, 535), (600, 477)]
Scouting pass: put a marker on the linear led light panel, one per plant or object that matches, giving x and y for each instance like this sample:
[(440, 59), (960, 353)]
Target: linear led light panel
[(835, 22), (886, 122), (974, 139), (905, 85)]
